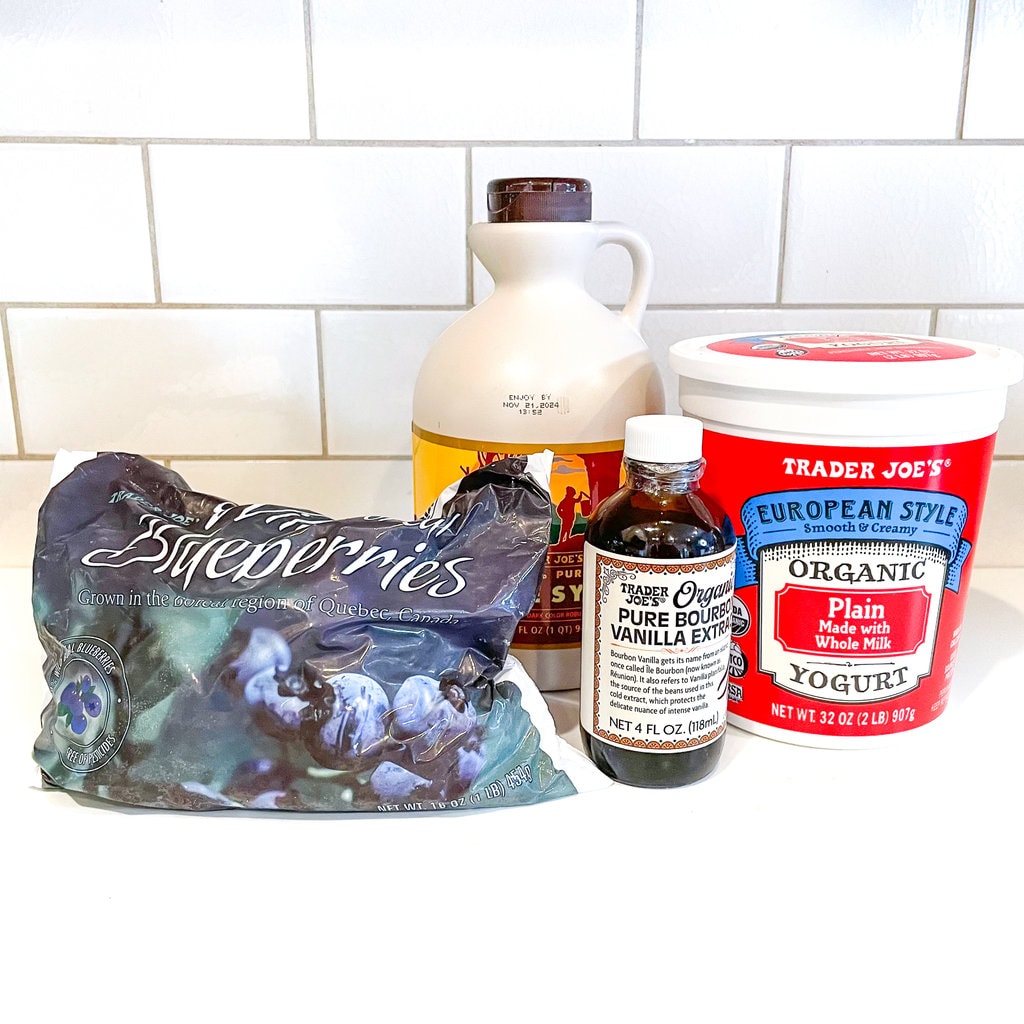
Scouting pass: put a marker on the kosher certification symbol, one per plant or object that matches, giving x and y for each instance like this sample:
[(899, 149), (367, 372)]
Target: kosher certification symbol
[(93, 704)]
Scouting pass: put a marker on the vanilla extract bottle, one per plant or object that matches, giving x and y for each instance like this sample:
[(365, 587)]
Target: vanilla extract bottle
[(657, 609)]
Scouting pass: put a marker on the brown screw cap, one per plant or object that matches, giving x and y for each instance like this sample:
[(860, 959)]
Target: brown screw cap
[(538, 199)]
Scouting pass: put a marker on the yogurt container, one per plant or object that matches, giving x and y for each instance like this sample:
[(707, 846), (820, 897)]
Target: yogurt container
[(854, 468)]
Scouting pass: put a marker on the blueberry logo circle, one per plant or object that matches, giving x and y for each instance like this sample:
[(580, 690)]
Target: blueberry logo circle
[(93, 704)]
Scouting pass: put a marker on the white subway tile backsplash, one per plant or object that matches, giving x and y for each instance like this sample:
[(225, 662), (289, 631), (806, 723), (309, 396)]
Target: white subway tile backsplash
[(296, 225), (73, 225), (23, 485), (711, 215), (905, 224), (801, 69), (461, 69), (1001, 539), (996, 80), (370, 364), (340, 488), (209, 382), (154, 68), (662, 328), (1003, 327), (245, 267)]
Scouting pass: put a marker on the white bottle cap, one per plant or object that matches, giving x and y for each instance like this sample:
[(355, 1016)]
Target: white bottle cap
[(663, 439)]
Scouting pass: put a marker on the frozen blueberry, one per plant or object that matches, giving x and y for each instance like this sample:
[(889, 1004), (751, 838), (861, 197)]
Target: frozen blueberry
[(430, 717), (353, 728), (391, 781), (471, 762), (266, 651), (280, 715), (413, 706)]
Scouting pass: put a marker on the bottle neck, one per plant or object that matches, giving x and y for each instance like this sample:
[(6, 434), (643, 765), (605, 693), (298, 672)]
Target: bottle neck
[(535, 253), (663, 477)]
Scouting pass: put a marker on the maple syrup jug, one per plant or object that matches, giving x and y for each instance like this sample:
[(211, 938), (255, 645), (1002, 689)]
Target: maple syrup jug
[(540, 364)]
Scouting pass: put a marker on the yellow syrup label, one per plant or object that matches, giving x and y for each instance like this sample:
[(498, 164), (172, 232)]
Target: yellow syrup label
[(582, 476)]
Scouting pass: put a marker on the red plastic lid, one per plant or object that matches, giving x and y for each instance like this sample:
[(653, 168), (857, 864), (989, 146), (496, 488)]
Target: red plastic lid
[(846, 363), (842, 348)]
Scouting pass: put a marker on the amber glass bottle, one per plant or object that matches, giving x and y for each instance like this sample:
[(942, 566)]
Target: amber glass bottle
[(657, 608)]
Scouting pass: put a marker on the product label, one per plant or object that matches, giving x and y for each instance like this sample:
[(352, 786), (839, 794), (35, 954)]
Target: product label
[(656, 649), (842, 348), (851, 578), (581, 477)]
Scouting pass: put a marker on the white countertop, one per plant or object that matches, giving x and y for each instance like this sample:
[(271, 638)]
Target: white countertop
[(817, 885)]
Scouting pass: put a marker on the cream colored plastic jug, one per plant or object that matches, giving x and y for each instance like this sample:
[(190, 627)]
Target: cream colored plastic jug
[(540, 364)]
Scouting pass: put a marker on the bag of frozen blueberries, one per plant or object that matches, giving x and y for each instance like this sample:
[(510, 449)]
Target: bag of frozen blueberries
[(203, 654)]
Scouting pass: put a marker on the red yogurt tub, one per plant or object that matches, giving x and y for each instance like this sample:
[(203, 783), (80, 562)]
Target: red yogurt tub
[(854, 469)]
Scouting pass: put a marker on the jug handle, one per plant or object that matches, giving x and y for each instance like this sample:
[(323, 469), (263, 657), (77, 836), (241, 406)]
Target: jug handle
[(612, 233)]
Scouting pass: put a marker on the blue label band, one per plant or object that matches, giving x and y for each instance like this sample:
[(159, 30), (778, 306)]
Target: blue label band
[(848, 513)]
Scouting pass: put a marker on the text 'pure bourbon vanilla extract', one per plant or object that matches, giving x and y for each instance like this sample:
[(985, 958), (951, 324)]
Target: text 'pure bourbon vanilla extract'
[(657, 611)]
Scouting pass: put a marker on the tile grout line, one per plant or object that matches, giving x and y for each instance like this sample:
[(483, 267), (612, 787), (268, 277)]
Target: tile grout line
[(469, 220), (297, 459), (594, 143), (321, 382), (682, 307), (349, 307), (787, 165), (247, 457), (294, 459), (637, 68), (5, 332), (961, 110), (147, 179), (307, 25)]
